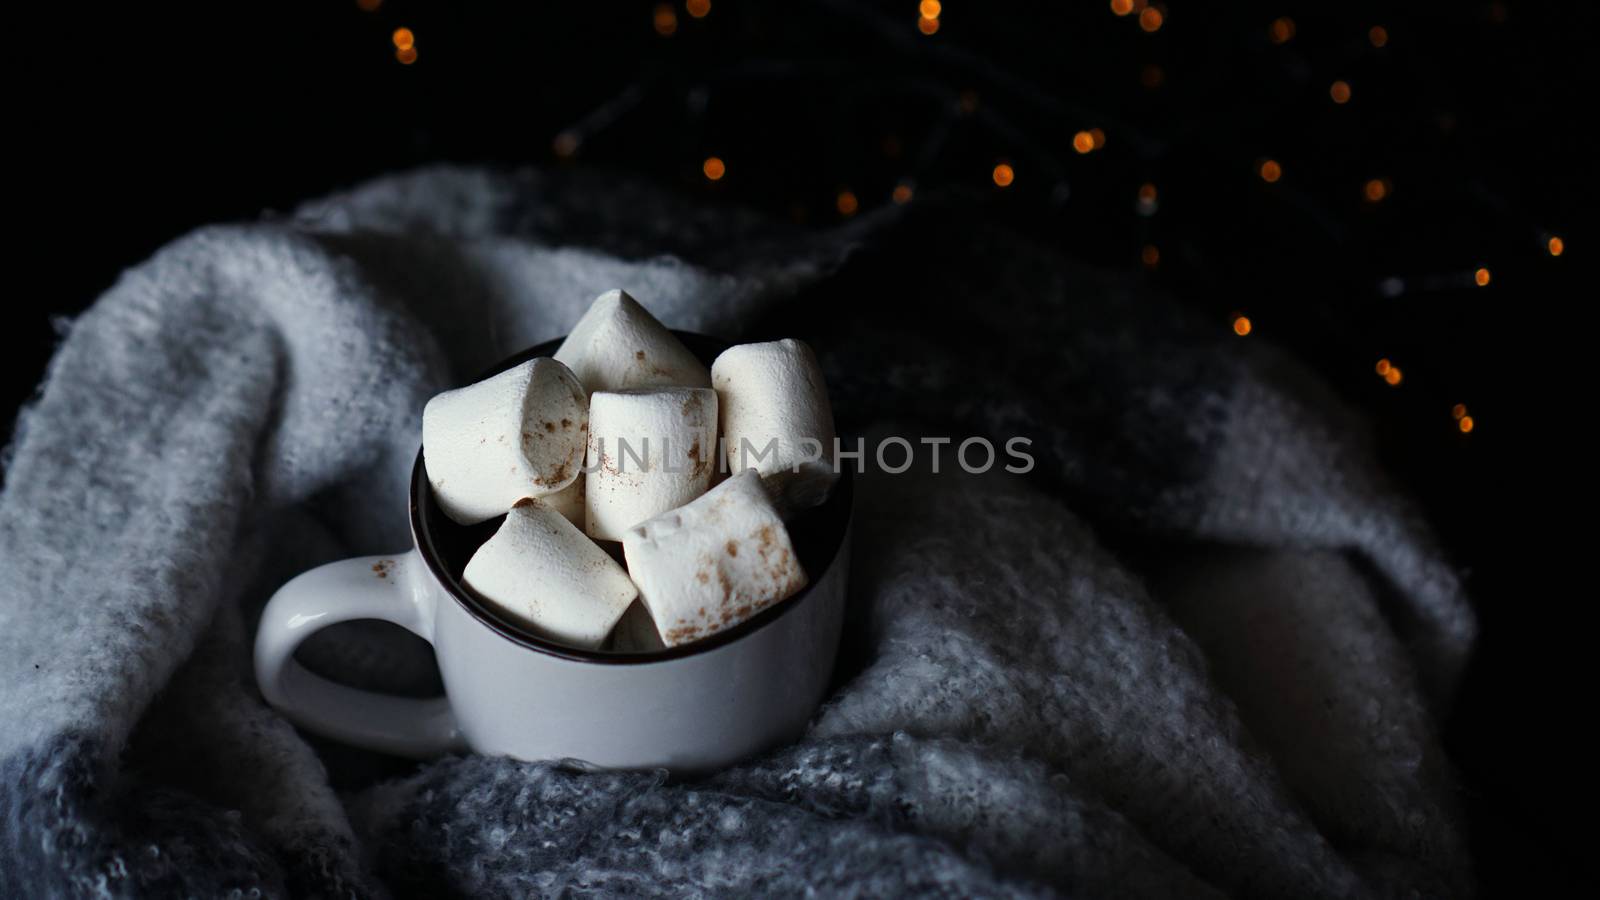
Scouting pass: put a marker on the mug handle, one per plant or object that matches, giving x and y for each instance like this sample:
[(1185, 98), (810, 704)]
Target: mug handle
[(367, 587)]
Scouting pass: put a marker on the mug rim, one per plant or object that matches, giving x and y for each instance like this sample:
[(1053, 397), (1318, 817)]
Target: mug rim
[(421, 537)]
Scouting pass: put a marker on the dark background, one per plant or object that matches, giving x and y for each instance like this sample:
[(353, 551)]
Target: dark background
[(138, 122)]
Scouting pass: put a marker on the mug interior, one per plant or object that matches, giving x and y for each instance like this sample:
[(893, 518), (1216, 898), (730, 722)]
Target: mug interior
[(817, 535)]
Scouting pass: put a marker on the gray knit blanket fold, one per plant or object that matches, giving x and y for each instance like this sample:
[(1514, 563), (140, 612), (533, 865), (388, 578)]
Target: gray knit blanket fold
[(1201, 650)]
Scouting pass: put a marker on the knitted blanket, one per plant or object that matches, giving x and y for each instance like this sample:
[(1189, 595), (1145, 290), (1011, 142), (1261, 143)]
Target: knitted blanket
[(1200, 650)]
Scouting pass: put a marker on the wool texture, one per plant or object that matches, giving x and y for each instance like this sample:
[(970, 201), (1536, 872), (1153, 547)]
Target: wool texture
[(1201, 649)]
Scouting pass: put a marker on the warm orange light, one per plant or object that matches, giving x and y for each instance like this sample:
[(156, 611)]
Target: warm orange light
[(1466, 424), (1098, 137), (1083, 142), (927, 25), (1270, 171), (1340, 92), (1378, 35), (1457, 411), (565, 145), (369, 5), (665, 19), (901, 193), (1281, 30), (1555, 245), (1375, 189), (930, 9), (1003, 175), (1383, 366), (714, 168), (1151, 76), (846, 203), (1151, 19), (406, 55), (1393, 376), (1481, 277), (698, 8), (403, 39), (1150, 255), (1241, 325), (1122, 7)]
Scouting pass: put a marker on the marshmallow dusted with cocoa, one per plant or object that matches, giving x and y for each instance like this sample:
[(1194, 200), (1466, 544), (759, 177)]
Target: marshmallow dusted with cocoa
[(618, 345), (650, 450), (542, 571), (521, 433), (777, 419), (713, 563)]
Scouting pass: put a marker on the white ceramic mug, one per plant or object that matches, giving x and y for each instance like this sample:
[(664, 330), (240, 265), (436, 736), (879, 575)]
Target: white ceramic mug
[(692, 708)]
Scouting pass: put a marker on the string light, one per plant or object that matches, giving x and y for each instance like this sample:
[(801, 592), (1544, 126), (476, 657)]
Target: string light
[(1555, 245), (1389, 372), (665, 20), (1151, 18), (406, 55), (369, 5), (403, 39), (1147, 199)]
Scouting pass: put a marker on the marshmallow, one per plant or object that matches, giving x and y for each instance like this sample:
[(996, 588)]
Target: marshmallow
[(618, 345), (543, 572), (650, 450), (774, 404), (636, 632), (714, 563), (516, 434)]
